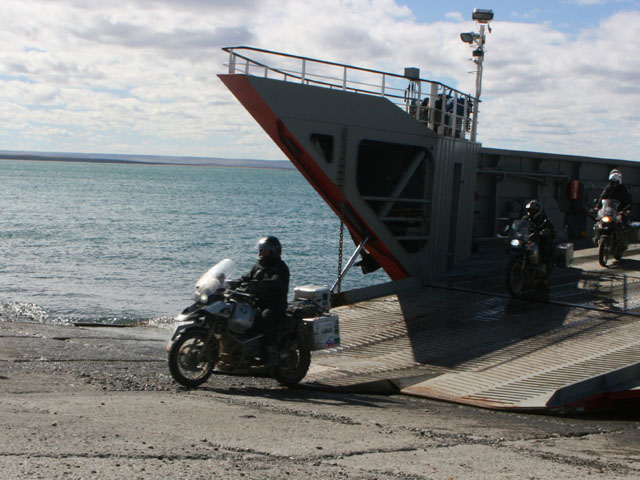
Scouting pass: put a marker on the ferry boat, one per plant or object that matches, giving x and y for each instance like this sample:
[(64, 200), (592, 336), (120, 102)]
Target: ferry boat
[(392, 155), (396, 158)]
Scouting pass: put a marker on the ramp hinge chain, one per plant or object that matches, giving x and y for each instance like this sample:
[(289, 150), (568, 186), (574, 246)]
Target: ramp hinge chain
[(341, 181), (340, 256)]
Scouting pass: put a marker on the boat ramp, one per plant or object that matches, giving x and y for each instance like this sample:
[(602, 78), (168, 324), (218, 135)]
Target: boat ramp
[(574, 347)]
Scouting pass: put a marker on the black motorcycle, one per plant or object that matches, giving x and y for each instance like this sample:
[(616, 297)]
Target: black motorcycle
[(217, 333), (526, 269), (609, 232)]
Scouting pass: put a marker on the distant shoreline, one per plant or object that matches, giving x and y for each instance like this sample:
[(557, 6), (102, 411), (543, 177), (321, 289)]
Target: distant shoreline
[(149, 160)]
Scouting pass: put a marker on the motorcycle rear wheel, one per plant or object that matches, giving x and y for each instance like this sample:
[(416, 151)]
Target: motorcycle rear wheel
[(603, 251), (188, 364), (515, 278), (294, 366)]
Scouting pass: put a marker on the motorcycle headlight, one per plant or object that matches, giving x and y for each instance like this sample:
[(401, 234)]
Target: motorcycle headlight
[(515, 242), (606, 219), (204, 298)]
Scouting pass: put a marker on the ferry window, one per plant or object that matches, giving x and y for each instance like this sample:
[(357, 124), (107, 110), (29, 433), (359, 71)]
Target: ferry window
[(324, 144), (396, 182)]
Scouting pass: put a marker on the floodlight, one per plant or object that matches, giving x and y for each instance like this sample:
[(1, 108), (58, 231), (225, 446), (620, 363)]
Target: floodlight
[(482, 15), (469, 37), (477, 40)]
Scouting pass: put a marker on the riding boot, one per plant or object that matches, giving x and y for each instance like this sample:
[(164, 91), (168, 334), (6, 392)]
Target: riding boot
[(272, 355)]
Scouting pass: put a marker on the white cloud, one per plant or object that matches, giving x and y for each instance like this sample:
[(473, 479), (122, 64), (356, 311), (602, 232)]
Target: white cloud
[(571, 96), (455, 17), (139, 76)]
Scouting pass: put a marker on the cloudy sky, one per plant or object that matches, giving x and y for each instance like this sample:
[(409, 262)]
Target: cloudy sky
[(139, 76)]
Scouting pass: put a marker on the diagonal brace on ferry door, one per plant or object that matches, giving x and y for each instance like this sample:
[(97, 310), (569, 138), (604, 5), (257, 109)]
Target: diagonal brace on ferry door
[(403, 182)]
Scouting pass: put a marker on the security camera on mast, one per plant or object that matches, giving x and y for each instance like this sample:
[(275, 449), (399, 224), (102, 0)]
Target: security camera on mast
[(482, 17)]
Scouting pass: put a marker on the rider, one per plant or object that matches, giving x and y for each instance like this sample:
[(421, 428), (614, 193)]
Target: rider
[(616, 191), (542, 231), (268, 281)]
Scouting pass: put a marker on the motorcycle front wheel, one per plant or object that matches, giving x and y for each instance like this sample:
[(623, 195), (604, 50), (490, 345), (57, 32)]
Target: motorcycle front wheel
[(515, 278), (189, 364), (603, 251), (620, 246), (293, 364)]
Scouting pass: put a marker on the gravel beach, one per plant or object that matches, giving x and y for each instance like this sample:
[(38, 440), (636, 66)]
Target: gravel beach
[(99, 403)]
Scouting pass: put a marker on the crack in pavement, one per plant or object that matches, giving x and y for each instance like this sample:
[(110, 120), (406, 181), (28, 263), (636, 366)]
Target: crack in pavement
[(341, 419)]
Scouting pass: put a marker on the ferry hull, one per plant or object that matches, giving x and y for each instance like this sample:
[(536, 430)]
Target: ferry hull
[(387, 176)]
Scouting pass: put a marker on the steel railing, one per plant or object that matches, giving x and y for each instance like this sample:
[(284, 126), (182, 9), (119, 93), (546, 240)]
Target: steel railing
[(444, 109)]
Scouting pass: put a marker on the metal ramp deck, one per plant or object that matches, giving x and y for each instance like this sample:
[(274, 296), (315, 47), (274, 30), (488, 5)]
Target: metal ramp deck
[(466, 341)]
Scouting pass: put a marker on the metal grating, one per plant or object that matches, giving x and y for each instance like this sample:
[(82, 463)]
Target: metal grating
[(529, 380), (482, 347)]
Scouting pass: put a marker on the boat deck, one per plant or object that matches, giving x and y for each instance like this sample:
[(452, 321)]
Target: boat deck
[(464, 339)]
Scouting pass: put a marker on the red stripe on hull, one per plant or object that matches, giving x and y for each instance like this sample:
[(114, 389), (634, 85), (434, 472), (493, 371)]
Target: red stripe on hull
[(242, 89), (605, 401)]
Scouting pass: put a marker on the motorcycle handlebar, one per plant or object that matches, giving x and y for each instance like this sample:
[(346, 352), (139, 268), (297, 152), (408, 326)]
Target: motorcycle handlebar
[(239, 292), (247, 297)]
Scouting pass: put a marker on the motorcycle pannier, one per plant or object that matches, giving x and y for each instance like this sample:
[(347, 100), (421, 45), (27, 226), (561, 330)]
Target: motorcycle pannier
[(564, 254), (318, 294), (634, 232), (323, 332)]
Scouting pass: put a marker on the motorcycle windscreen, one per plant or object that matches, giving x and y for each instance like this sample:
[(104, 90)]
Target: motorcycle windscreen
[(520, 228), (214, 278), (609, 207)]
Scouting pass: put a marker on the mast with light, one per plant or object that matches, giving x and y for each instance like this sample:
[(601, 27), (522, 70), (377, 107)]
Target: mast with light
[(482, 17)]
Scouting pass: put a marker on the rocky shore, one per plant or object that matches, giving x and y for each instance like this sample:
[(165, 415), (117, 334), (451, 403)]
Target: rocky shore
[(99, 403)]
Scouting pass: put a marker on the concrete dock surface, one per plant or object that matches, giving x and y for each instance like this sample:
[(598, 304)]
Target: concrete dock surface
[(100, 403)]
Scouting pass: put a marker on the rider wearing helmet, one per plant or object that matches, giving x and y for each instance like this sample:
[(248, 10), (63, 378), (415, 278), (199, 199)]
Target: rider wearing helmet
[(268, 281), (616, 191), (542, 231)]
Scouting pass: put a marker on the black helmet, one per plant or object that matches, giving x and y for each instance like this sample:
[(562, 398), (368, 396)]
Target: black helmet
[(269, 247), (533, 208)]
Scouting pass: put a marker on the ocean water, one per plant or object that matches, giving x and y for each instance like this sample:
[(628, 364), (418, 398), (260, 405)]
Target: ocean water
[(125, 243)]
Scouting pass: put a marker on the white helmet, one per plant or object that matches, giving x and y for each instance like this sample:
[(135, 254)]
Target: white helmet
[(615, 175)]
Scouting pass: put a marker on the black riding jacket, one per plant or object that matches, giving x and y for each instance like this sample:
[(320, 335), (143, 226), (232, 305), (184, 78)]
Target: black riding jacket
[(268, 280), (541, 225), (544, 234), (616, 192)]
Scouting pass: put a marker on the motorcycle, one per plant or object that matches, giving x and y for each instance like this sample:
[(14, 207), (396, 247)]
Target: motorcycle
[(525, 269), (217, 333), (609, 232)]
